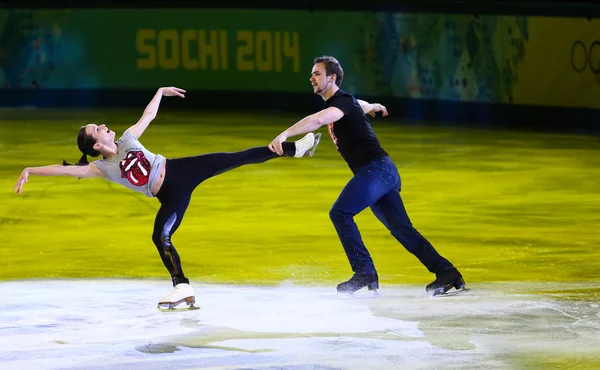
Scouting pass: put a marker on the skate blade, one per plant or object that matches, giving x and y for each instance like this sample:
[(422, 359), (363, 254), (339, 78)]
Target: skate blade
[(353, 295), (176, 306), (168, 308), (451, 293)]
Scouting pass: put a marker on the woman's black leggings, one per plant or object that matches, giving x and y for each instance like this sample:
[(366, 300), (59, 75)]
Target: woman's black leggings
[(182, 176)]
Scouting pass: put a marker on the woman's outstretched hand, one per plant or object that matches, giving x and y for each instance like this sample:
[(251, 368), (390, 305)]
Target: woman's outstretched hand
[(22, 180), (173, 91)]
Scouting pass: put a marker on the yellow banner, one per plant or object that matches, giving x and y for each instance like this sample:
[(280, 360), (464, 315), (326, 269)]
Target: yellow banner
[(561, 65)]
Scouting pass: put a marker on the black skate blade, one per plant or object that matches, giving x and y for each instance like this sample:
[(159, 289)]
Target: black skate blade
[(362, 295), (451, 293)]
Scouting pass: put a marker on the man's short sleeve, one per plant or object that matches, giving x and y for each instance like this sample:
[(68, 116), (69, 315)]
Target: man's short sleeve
[(344, 103)]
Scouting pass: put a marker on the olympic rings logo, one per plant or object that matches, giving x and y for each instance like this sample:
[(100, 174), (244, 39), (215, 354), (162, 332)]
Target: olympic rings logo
[(583, 57)]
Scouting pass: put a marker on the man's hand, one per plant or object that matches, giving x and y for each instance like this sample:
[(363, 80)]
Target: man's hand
[(276, 146), (172, 91), (376, 107), (22, 179)]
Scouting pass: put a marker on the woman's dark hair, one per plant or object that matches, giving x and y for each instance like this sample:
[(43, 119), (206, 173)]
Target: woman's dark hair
[(86, 146)]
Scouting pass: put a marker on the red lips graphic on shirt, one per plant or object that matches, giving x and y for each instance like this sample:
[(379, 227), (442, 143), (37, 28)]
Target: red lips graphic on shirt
[(136, 168)]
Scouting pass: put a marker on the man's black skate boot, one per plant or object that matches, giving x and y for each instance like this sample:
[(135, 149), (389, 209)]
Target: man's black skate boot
[(359, 281), (446, 280)]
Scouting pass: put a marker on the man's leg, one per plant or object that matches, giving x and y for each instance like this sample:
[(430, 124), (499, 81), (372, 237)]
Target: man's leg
[(364, 189), (391, 212)]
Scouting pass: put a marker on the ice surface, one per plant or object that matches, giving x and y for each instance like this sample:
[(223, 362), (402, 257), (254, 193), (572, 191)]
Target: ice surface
[(107, 324)]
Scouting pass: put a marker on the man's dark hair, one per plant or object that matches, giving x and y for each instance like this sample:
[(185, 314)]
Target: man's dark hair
[(332, 67)]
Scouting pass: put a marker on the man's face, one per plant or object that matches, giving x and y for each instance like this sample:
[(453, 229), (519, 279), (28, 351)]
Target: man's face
[(319, 80)]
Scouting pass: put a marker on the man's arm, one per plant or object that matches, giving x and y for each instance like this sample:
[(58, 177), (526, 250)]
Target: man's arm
[(371, 109), (152, 109), (306, 125), (315, 121), (57, 170)]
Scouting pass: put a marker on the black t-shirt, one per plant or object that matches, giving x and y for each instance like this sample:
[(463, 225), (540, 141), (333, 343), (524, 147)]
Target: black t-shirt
[(353, 134)]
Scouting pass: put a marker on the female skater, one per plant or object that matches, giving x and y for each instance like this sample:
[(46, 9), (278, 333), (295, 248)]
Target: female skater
[(172, 181)]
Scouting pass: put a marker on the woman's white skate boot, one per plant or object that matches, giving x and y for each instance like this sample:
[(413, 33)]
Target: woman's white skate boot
[(182, 293), (306, 146)]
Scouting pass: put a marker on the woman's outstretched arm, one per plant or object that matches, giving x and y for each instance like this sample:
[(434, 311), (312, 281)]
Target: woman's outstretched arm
[(57, 170)]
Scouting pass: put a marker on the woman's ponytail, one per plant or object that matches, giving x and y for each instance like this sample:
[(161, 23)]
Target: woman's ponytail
[(86, 146), (83, 161)]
